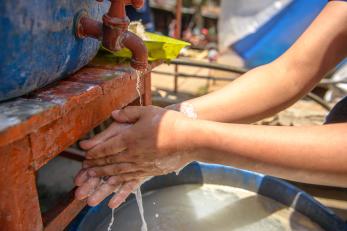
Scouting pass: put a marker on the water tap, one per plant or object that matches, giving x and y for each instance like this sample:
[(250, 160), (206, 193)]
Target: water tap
[(113, 31)]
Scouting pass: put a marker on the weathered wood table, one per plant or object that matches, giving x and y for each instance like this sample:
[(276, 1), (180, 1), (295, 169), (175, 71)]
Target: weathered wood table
[(36, 128)]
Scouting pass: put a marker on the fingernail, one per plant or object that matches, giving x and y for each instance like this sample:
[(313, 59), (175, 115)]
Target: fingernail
[(91, 173)]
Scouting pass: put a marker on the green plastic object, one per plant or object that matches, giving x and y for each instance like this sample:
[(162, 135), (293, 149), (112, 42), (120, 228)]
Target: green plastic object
[(158, 46)]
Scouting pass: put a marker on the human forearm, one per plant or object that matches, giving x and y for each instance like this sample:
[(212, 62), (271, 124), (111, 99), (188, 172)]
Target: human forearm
[(314, 154), (268, 89), (259, 93)]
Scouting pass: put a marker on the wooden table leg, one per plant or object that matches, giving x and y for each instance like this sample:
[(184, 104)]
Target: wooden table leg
[(19, 203)]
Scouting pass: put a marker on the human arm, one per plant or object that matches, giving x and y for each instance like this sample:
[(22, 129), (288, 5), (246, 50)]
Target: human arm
[(268, 89), (313, 154), (310, 154)]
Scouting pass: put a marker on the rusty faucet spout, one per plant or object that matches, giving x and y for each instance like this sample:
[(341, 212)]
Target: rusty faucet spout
[(113, 31), (135, 44)]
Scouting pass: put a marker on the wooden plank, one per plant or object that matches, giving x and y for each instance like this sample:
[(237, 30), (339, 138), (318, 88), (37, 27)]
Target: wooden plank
[(22, 116), (50, 140), (19, 204), (18, 118), (25, 115), (67, 94), (60, 217)]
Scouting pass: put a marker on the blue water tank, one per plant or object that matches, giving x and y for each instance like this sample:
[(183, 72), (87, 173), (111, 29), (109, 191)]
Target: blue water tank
[(38, 44), (279, 33)]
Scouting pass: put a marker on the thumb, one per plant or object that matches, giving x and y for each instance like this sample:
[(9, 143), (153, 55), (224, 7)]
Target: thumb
[(129, 114)]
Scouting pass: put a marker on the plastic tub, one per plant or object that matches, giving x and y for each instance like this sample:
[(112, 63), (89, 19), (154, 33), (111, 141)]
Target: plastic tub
[(198, 173)]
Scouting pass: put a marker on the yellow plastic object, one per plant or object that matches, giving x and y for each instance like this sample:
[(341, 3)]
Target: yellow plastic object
[(158, 46)]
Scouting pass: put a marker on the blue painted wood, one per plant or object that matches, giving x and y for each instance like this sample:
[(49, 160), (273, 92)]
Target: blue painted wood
[(198, 173), (38, 45)]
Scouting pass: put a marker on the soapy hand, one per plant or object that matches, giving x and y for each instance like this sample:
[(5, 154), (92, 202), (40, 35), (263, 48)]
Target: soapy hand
[(96, 189), (143, 142)]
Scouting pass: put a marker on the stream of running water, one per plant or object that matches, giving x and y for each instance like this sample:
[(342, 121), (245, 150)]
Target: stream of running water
[(138, 194)]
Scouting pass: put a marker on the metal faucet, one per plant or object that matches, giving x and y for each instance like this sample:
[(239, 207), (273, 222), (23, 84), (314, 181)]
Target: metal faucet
[(113, 31)]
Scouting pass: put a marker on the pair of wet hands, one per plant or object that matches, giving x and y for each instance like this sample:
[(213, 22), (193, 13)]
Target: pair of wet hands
[(96, 188), (107, 168)]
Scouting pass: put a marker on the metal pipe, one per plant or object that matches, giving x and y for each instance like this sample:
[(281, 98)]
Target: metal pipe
[(137, 47), (88, 27), (178, 36), (318, 100), (332, 82), (178, 19), (309, 95), (117, 9), (214, 66), (180, 74), (114, 31)]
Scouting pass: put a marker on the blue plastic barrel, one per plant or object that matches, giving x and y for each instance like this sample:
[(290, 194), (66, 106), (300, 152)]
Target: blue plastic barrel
[(198, 173), (279, 33), (38, 45)]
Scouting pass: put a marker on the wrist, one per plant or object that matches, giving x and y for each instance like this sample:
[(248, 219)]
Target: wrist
[(187, 135), (186, 144), (185, 108)]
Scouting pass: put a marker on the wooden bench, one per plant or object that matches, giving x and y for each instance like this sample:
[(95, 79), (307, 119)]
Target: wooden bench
[(36, 128)]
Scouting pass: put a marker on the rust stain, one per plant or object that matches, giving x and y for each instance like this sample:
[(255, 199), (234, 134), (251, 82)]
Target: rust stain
[(19, 205)]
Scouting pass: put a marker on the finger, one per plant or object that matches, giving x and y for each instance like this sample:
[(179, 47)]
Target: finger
[(125, 177), (121, 157), (129, 114), (87, 188), (112, 146), (115, 169), (123, 193), (81, 177), (103, 191), (113, 130)]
